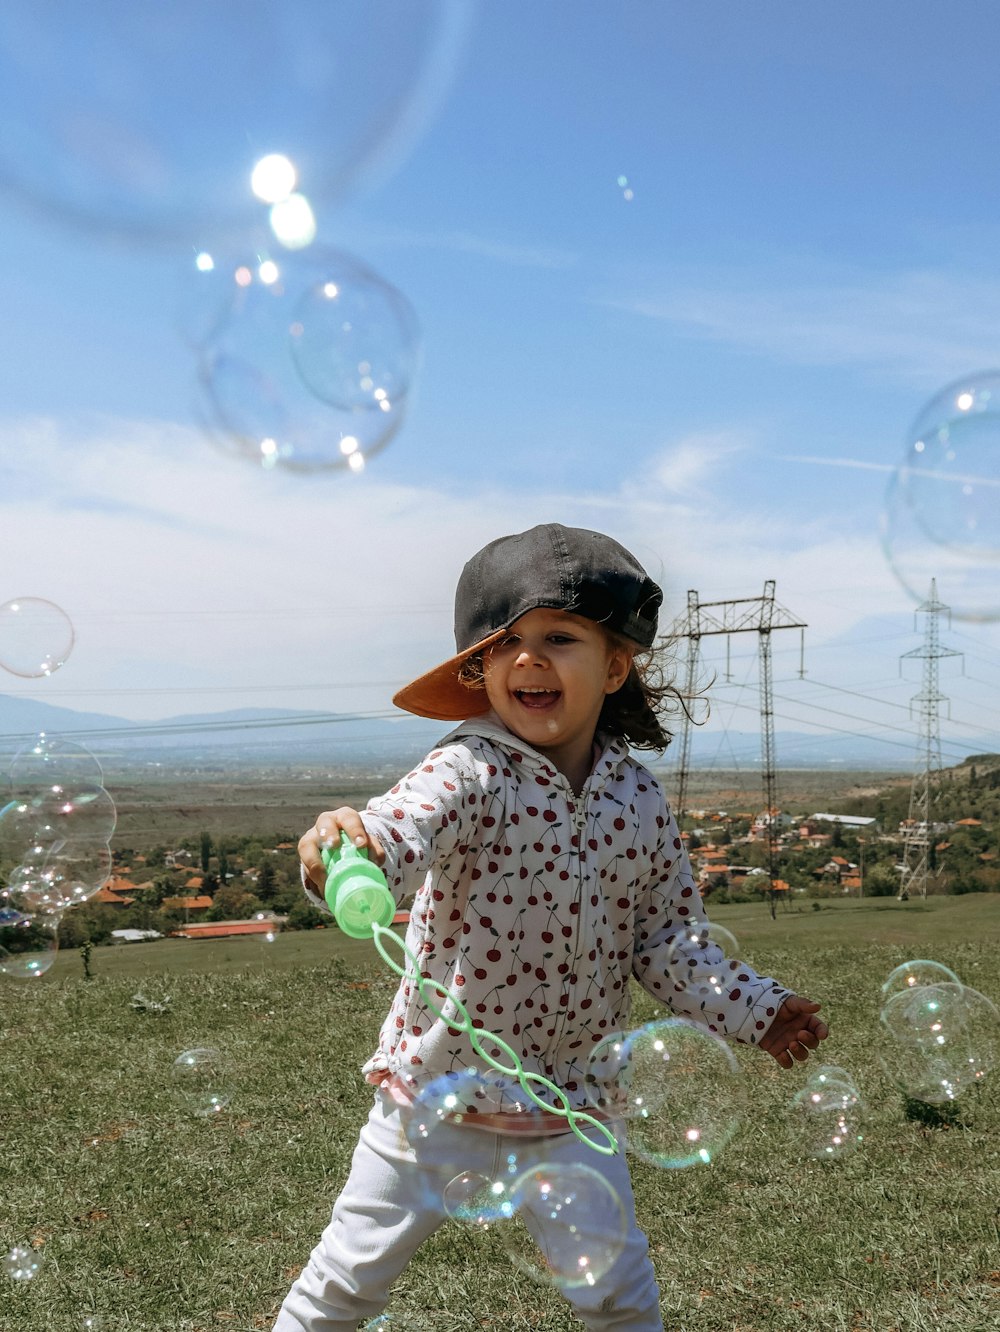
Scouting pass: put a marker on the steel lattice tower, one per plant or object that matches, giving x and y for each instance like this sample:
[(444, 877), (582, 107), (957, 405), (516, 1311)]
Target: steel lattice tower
[(915, 872), (761, 615)]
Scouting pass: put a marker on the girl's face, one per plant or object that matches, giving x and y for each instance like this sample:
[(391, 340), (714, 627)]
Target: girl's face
[(547, 681)]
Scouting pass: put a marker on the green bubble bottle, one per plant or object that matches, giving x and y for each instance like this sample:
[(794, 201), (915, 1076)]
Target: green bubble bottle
[(356, 890)]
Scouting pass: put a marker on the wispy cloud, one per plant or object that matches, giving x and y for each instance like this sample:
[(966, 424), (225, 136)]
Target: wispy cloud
[(504, 250), (340, 587), (858, 464), (919, 326)]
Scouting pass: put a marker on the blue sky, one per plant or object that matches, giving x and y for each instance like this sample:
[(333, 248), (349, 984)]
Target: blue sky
[(721, 370)]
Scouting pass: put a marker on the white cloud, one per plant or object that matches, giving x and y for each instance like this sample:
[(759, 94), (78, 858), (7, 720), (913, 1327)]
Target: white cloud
[(185, 571)]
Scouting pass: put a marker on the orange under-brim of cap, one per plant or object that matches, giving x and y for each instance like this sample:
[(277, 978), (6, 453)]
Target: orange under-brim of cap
[(440, 694)]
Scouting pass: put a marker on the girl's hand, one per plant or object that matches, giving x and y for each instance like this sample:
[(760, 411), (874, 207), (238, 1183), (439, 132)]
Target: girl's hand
[(325, 832), (794, 1032)]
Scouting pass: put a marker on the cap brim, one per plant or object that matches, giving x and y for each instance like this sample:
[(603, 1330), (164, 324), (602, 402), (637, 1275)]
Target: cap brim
[(440, 694)]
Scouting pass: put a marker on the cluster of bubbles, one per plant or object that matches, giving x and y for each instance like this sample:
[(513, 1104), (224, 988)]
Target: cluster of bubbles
[(55, 852), (305, 356), (674, 1084), (36, 637), (940, 1037), (942, 512)]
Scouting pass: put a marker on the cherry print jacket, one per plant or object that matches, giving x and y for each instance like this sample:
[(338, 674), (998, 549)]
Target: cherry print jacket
[(534, 906)]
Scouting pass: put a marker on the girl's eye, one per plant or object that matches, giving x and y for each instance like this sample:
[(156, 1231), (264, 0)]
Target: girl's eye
[(561, 638)]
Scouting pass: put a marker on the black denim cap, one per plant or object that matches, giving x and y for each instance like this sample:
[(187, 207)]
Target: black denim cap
[(564, 568)]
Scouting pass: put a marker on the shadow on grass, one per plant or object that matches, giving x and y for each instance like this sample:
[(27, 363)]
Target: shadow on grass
[(934, 1116)]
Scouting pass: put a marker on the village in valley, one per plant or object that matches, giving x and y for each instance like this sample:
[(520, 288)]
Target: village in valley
[(211, 885)]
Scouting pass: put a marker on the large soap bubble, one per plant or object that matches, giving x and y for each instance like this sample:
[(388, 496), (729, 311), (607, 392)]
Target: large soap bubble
[(36, 636), (679, 1087), (308, 364), (52, 760), (942, 508), (567, 1225), (151, 121), (29, 940), (940, 1040), (912, 975)]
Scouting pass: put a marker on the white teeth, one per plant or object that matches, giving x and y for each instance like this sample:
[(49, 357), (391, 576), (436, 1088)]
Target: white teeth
[(534, 691)]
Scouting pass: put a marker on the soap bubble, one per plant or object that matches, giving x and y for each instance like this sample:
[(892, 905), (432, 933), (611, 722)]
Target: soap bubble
[(702, 964), (481, 1200), (825, 1073), (568, 1225), (940, 1040), (942, 509), (52, 760), (825, 1119), (951, 471), (395, 1322), (152, 122), (70, 875), (92, 1323), (277, 343), (36, 636), (912, 975), (29, 940), (684, 1092), (201, 1077), (23, 1263), (355, 341)]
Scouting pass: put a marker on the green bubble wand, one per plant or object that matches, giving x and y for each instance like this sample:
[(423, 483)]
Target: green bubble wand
[(359, 897)]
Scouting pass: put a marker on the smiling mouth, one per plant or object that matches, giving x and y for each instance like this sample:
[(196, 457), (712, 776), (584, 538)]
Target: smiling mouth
[(537, 699)]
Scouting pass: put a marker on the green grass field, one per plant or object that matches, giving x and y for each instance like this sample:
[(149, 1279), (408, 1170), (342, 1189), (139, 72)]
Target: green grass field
[(171, 1223)]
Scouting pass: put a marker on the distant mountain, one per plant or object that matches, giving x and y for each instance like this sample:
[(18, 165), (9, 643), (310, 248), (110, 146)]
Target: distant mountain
[(298, 735), (261, 732)]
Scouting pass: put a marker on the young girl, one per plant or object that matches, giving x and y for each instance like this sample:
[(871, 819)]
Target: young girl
[(547, 871)]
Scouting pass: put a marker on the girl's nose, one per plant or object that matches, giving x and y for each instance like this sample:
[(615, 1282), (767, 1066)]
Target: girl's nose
[(529, 656)]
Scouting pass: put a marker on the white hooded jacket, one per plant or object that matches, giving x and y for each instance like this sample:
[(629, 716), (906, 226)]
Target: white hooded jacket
[(534, 906)]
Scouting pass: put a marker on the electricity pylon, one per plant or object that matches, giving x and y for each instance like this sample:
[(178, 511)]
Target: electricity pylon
[(915, 872), (761, 615)]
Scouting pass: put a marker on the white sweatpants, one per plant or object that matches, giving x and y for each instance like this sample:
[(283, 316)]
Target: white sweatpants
[(386, 1210)]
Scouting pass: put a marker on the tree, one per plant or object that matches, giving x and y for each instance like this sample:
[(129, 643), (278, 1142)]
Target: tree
[(206, 851), (882, 881)]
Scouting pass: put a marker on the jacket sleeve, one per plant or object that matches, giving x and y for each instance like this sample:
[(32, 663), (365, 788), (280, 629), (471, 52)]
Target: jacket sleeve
[(679, 964), (423, 819)]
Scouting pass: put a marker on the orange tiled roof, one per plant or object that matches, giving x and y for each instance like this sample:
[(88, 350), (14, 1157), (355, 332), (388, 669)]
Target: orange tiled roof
[(220, 929), (108, 897), (190, 903)]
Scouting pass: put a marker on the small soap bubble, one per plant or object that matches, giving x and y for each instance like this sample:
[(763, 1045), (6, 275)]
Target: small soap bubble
[(92, 1323), (568, 1225), (826, 1119), (29, 940), (479, 1200), (685, 1093), (22, 1263), (201, 1077), (393, 1322), (912, 975), (36, 637), (309, 366), (941, 1040)]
